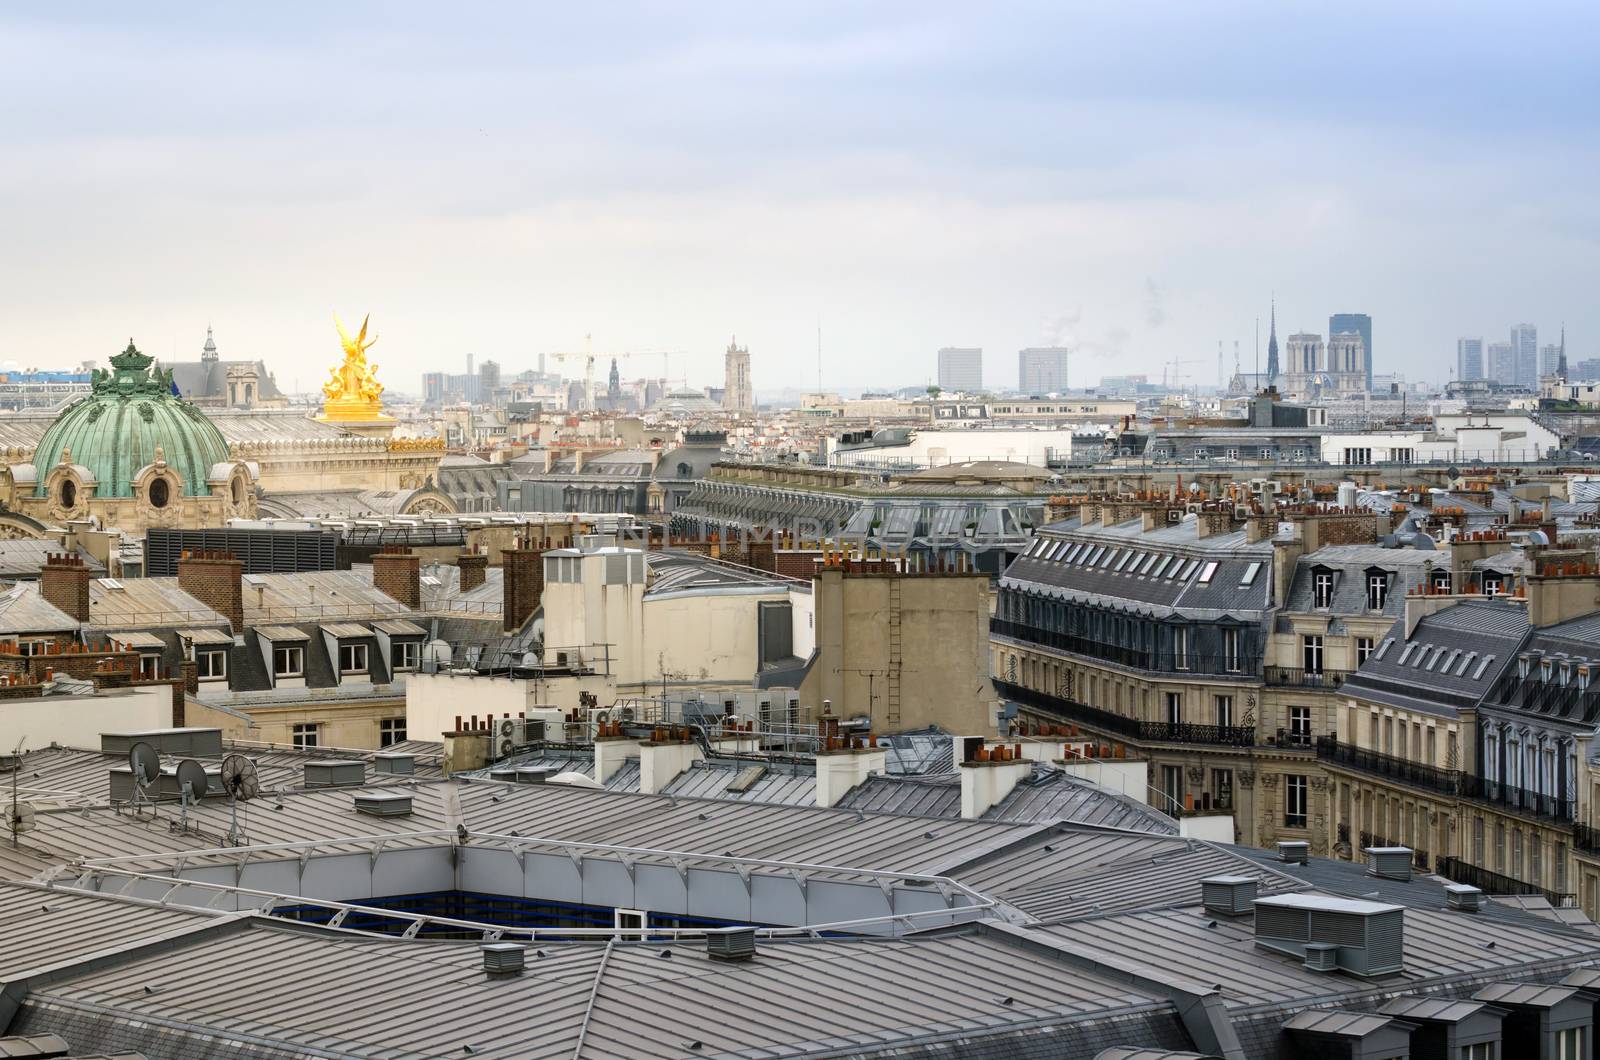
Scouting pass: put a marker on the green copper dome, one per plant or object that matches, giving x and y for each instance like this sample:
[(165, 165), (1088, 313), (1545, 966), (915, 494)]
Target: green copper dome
[(129, 413)]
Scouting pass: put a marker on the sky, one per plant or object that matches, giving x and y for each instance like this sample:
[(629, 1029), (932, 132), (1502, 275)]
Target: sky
[(1133, 180)]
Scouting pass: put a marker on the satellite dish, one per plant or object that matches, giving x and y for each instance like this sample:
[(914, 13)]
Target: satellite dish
[(19, 817), (145, 762), (239, 778), (192, 775)]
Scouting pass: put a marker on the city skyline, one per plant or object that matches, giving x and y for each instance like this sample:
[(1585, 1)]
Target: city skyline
[(784, 166)]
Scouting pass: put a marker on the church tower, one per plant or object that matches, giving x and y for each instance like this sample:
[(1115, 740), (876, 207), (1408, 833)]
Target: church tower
[(737, 394), (208, 352), (1272, 346)]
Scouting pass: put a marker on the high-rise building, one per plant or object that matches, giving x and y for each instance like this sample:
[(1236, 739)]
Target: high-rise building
[(737, 395), (433, 387), (961, 368), (1525, 337), (1501, 362), (1361, 323), (488, 380), (1549, 359), (1042, 370), (1469, 359)]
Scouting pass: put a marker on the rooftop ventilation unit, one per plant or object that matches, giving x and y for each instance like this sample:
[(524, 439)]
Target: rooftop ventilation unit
[(534, 774), (394, 765), (335, 773), (503, 958), (506, 775), (1369, 935), (1295, 851), (1463, 896), (1390, 863), (1228, 895), (1322, 956), (188, 743), (736, 945), (384, 803)]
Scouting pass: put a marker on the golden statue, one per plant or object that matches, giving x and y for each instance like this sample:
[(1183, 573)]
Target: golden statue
[(352, 390)]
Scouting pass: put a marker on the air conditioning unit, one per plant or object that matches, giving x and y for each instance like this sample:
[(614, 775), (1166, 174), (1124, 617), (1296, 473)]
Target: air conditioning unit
[(1228, 895), (736, 945), (1174, 515), (1242, 511), (1272, 486), (1368, 936), (1322, 957), (1391, 863), (1463, 897)]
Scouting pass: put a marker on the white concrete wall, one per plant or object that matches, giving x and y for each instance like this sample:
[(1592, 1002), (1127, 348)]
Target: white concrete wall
[(1214, 828), (434, 700), (78, 721), (938, 448)]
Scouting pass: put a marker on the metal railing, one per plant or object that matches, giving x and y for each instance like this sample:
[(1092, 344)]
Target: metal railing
[(1297, 677), (1450, 782), (1240, 664), (1126, 727), (1458, 871)]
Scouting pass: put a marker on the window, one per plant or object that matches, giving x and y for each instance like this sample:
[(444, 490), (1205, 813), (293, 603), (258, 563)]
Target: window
[(1493, 583), (1569, 1044), (1233, 454), (305, 733), (1202, 453), (1363, 649), (1180, 648), (1377, 590), (406, 655), (1224, 711), (1222, 789), (1174, 708), (1300, 726), (33, 647), (1207, 572), (1171, 789), (211, 665), (1230, 650), (352, 658), (1249, 575), (69, 494), (1294, 801), (160, 493), (1264, 453), (1322, 589), (149, 667), (391, 731), (1311, 653), (1358, 455), (1480, 1051), (288, 661), (1439, 581)]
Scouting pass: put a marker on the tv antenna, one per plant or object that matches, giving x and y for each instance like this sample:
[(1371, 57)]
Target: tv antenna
[(192, 784), (241, 783), (19, 818), (144, 762)]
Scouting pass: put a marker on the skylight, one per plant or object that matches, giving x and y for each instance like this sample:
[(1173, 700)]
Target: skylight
[(1484, 665), (1384, 647), (1250, 573), (1161, 566), (1208, 572), (1151, 562)]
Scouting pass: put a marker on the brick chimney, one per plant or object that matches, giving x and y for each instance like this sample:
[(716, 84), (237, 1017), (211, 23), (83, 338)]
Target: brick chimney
[(473, 567), (64, 582), (214, 578), (397, 572), (522, 579)]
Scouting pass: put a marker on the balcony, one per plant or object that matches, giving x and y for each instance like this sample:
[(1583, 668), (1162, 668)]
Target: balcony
[(1128, 728), (1293, 677), (1236, 665), (1458, 871), (1447, 782)]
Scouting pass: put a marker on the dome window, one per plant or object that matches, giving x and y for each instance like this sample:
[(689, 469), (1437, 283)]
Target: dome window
[(238, 491), (160, 493), (69, 494)]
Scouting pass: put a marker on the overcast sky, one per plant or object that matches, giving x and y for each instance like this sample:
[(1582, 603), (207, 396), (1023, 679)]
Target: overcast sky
[(1131, 179)]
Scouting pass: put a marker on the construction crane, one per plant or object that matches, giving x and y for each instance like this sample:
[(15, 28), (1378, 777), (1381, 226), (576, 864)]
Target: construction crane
[(1174, 364), (588, 357)]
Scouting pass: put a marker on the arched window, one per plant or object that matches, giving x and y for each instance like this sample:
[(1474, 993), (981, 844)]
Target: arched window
[(238, 491), (160, 493), (69, 494)]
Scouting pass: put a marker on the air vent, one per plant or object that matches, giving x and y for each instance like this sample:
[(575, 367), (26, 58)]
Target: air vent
[(503, 958), (505, 775), (1463, 896), (1391, 863), (1322, 956), (1228, 895), (335, 773), (1369, 935), (1295, 851), (534, 774), (738, 944), (384, 803), (394, 765)]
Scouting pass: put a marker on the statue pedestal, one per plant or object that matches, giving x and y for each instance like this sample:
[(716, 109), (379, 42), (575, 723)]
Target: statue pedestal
[(363, 424)]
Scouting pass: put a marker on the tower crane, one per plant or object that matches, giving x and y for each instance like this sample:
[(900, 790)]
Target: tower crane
[(588, 357), (1175, 364)]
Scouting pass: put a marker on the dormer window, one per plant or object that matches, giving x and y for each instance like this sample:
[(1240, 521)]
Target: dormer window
[(1493, 583), (1322, 589), (1439, 581), (1524, 664), (1377, 589)]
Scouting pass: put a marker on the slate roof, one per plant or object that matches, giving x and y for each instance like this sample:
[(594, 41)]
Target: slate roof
[(1450, 662), (1350, 564)]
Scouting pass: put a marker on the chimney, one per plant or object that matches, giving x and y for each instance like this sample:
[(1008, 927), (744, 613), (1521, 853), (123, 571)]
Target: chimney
[(214, 578), (985, 780), (64, 582), (473, 566), (397, 573), (522, 582)]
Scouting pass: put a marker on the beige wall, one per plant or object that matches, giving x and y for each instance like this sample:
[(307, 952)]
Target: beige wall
[(78, 721)]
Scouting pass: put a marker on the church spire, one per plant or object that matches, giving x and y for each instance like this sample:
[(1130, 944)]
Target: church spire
[(1561, 359), (208, 352), (1272, 345)]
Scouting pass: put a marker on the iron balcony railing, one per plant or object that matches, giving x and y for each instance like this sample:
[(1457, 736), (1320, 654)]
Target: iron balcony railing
[(1295, 677), (1547, 696), (1458, 871), (1450, 782), (1586, 837), (1128, 728), (1239, 664)]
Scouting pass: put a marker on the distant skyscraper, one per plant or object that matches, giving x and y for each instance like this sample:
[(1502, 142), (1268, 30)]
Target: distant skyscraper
[(488, 380), (1042, 369), (1360, 323), (1469, 359), (1549, 359), (1525, 337), (961, 368), (1272, 346), (433, 387), (1501, 358), (737, 396)]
